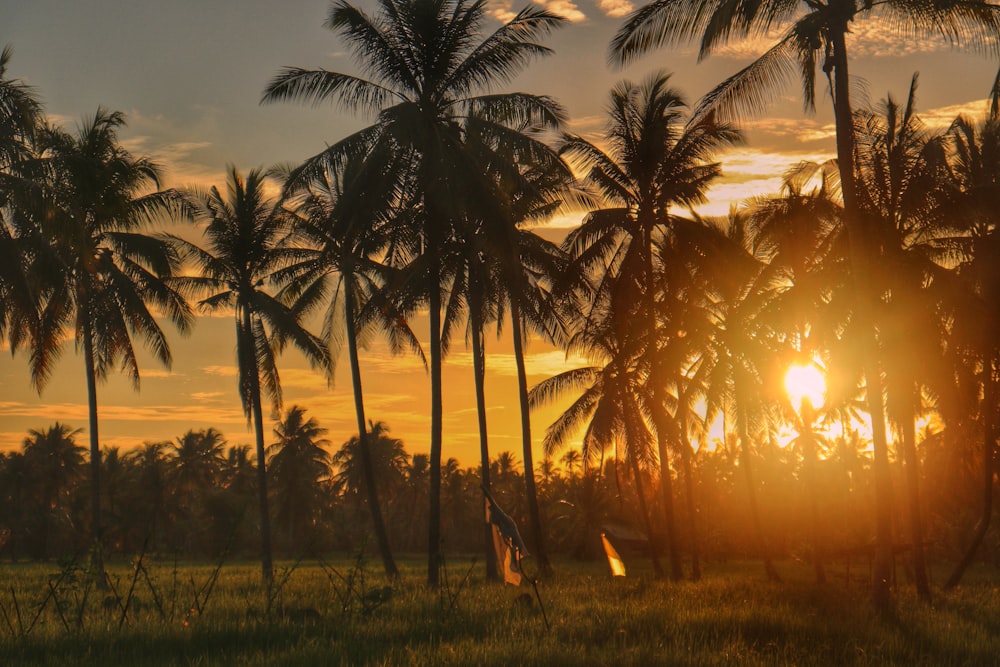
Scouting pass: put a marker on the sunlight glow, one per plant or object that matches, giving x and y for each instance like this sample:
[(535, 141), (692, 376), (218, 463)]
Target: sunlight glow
[(806, 381)]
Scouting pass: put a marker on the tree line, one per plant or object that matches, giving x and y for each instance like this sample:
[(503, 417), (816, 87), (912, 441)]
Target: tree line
[(878, 264)]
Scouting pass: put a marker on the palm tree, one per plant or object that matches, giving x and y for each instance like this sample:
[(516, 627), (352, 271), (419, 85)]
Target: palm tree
[(655, 164), (20, 118), (611, 406), (246, 233), (98, 273), (429, 66), (504, 266), (194, 469), (54, 463), (299, 464), (817, 34), (345, 219), (974, 154), (903, 183), (389, 464)]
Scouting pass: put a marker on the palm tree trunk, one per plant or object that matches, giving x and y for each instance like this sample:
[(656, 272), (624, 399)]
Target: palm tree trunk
[(434, 519), (368, 469), (746, 463), (989, 470), (859, 255), (686, 456), (667, 492), (654, 552), (534, 514), (811, 481), (479, 371), (251, 376), (96, 528), (911, 462)]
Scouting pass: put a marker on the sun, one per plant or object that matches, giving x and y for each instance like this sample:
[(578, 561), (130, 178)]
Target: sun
[(806, 381)]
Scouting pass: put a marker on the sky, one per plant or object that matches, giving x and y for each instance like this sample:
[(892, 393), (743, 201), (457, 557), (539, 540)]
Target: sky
[(189, 75)]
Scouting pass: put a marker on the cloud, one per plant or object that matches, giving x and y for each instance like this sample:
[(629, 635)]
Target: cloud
[(869, 37), (544, 364), (941, 118), (503, 10), (800, 130), (78, 413), (615, 8)]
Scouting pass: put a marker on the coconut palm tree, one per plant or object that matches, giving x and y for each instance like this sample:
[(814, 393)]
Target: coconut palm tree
[(345, 220), (904, 185), (974, 153), (390, 464), (299, 464), (429, 66), (98, 273), (54, 464), (655, 164), (611, 407), (246, 235), (20, 118)]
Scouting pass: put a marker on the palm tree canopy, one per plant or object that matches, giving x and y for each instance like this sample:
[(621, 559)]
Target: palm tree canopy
[(98, 271), (248, 243), (805, 45)]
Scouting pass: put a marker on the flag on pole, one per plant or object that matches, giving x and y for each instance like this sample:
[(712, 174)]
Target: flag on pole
[(615, 561), (507, 541)]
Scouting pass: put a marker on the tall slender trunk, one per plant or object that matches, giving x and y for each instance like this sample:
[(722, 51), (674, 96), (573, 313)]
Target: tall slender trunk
[(809, 460), (864, 299), (96, 526), (251, 375), (912, 463), (368, 468), (479, 371), (686, 456), (746, 463), (667, 491), (534, 514), (989, 469), (434, 519), (654, 551)]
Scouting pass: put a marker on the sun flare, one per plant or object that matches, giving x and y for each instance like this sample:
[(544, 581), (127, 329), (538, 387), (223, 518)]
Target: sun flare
[(806, 381)]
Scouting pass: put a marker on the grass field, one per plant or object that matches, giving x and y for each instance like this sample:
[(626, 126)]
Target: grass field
[(341, 613)]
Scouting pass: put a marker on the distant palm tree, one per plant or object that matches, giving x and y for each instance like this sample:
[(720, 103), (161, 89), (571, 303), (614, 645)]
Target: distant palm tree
[(299, 465), (98, 274), (54, 464), (196, 465), (246, 234), (429, 63), (816, 36)]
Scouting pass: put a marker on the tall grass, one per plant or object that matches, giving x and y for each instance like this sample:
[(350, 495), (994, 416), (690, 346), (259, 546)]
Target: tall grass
[(344, 613)]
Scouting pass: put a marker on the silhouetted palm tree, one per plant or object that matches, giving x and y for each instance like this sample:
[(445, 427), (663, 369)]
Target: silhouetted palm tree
[(246, 234), (974, 152), (54, 464), (99, 275), (346, 218), (20, 118), (655, 164), (428, 63), (299, 464)]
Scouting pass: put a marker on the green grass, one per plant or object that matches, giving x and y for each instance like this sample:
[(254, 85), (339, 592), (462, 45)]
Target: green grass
[(731, 617)]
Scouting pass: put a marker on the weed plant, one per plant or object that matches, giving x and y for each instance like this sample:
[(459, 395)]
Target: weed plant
[(343, 612)]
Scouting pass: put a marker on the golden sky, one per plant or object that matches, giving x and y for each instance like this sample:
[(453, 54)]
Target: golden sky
[(189, 75)]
